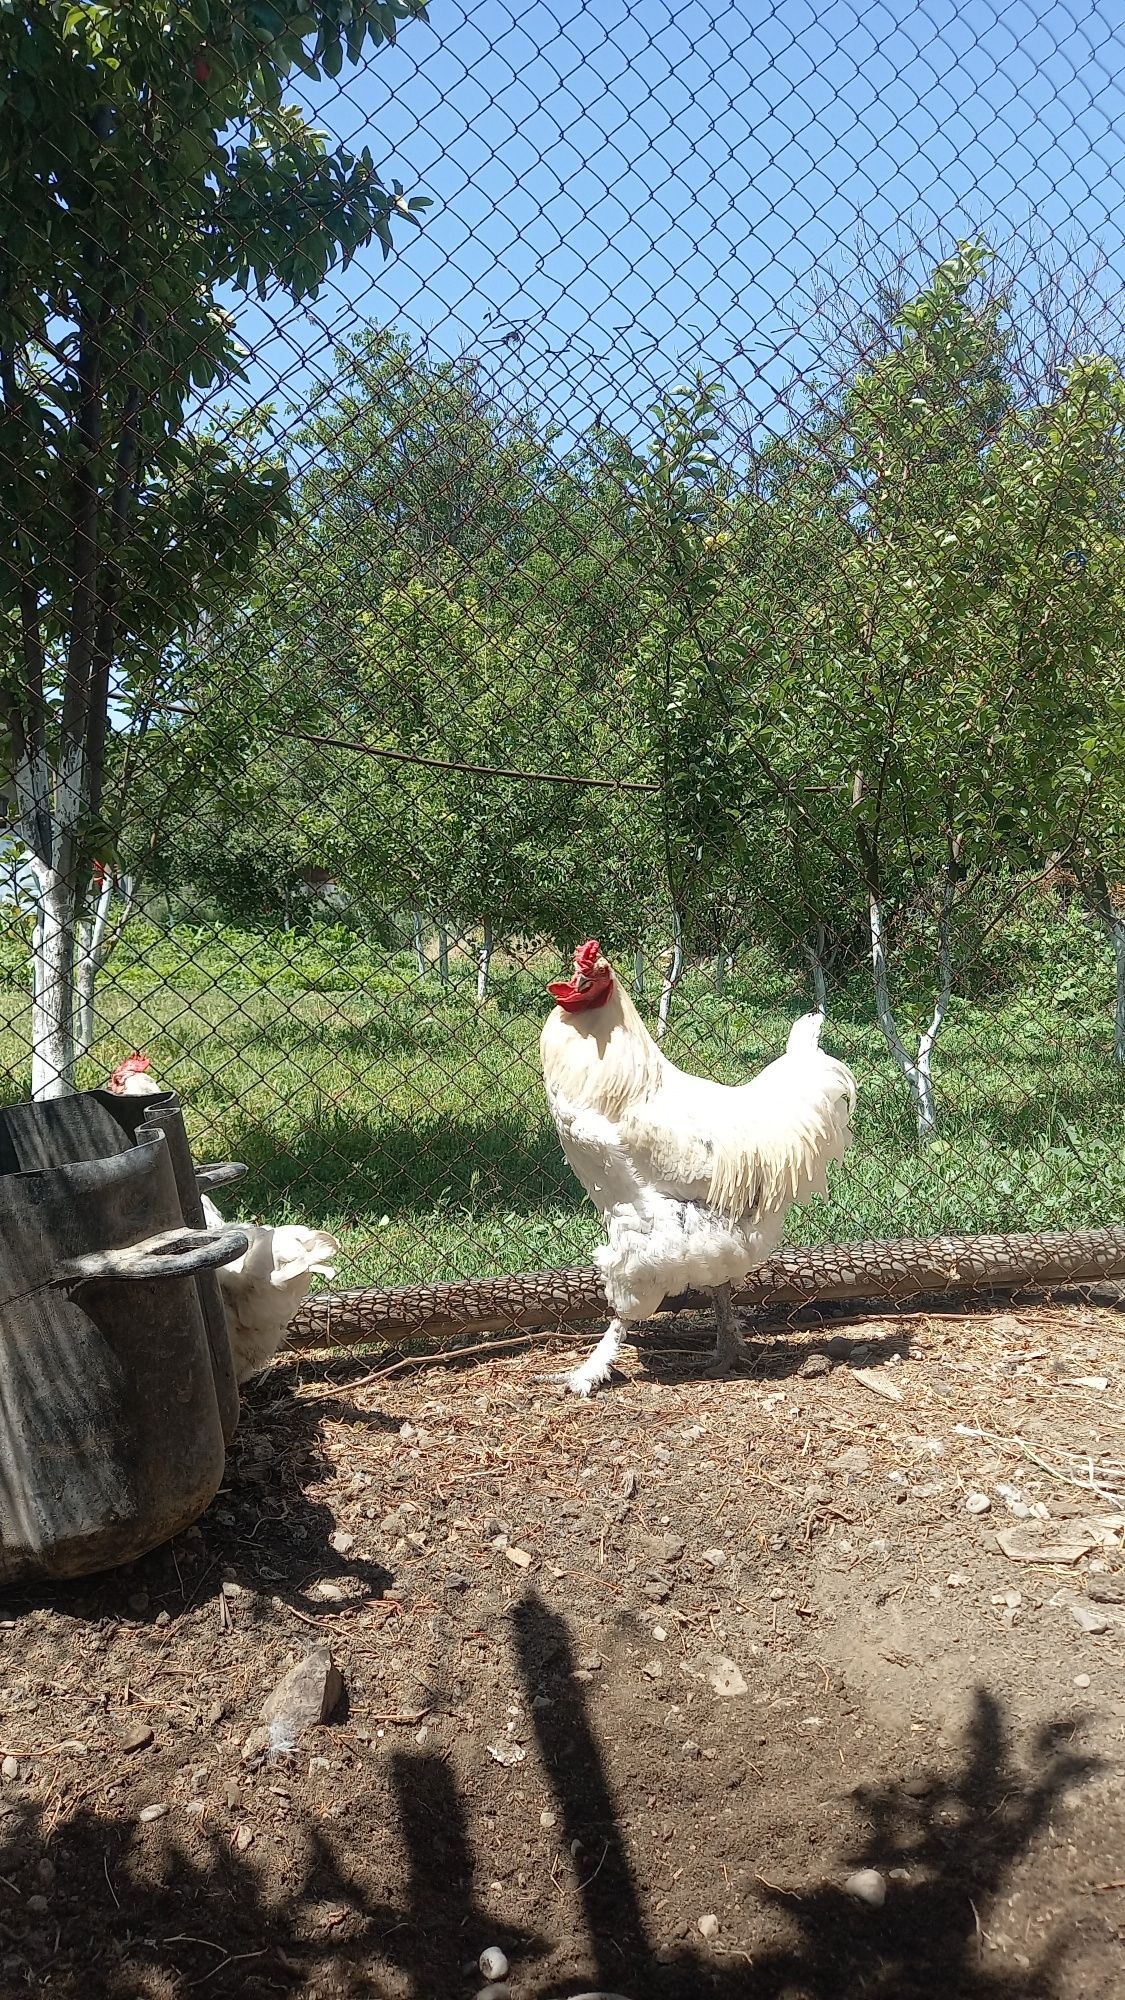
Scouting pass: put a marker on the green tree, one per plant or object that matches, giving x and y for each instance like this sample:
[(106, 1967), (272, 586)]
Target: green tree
[(149, 161), (930, 691)]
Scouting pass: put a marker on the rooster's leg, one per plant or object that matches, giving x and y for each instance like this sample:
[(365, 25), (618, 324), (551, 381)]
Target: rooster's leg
[(583, 1381), (730, 1348)]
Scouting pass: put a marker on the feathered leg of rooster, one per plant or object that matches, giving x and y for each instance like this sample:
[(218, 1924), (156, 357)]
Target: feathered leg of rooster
[(583, 1381), (731, 1351)]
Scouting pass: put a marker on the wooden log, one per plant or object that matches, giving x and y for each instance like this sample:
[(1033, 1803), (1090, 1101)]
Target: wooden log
[(910, 1268)]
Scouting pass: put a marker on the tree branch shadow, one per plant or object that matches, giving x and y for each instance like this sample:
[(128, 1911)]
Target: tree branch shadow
[(207, 1916)]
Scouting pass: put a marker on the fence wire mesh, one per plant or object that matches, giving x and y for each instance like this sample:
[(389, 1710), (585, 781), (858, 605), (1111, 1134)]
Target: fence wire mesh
[(639, 472)]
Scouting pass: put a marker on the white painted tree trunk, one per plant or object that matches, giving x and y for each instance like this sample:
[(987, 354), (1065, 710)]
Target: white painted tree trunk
[(91, 953), (917, 1072), (52, 1005), (639, 972), (484, 962), (671, 977), (443, 954), (814, 957), (419, 946)]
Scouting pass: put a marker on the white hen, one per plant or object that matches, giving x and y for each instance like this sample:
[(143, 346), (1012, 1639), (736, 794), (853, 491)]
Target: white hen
[(693, 1179), (263, 1289)]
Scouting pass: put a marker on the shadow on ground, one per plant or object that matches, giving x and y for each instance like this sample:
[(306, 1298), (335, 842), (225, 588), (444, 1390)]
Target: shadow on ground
[(213, 1921)]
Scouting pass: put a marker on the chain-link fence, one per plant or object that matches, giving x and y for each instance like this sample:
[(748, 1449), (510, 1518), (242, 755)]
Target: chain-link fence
[(702, 530)]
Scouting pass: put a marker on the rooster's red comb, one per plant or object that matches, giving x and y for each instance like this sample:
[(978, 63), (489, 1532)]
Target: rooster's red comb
[(587, 956)]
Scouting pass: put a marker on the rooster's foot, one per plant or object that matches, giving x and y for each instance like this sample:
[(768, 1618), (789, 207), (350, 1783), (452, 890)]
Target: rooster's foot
[(583, 1381)]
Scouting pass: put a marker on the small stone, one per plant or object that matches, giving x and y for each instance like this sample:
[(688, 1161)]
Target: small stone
[(658, 1632), (547, 1818), (45, 1870), (654, 1669), (957, 1580), (493, 1963), (590, 1662), (152, 1812), (10, 1768), (507, 1753), (258, 1744), (341, 1541), (856, 1460), (724, 1677), (519, 1557), (163, 1618), (708, 1926), (133, 1734), (232, 1795), (305, 1696), (497, 1989), (1089, 1619), (917, 1788), (716, 1557), (243, 1836), (814, 1365), (690, 1749), (867, 1886), (1081, 1680), (39, 1904), (455, 1582), (978, 1503), (657, 1590)]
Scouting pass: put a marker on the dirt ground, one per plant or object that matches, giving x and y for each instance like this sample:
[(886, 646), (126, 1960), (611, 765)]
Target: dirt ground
[(633, 1687)]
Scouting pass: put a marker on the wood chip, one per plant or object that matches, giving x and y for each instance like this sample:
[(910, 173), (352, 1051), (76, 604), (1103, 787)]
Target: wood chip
[(874, 1378), (1047, 1541)]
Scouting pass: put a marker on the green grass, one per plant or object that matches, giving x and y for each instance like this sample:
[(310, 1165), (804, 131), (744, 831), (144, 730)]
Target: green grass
[(413, 1124)]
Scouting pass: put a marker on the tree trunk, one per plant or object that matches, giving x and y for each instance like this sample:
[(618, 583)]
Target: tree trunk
[(91, 953), (52, 1007), (1096, 895), (916, 1072), (814, 956), (443, 954), (419, 948), (639, 972), (721, 968), (671, 978), (484, 962), (1118, 928)]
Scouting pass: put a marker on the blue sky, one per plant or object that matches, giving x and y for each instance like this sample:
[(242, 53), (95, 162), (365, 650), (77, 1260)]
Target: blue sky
[(637, 187)]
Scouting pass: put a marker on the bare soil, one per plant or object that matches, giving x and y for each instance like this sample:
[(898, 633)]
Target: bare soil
[(694, 1650)]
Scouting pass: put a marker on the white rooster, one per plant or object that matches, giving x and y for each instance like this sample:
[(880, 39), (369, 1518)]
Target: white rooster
[(693, 1179), (263, 1289)]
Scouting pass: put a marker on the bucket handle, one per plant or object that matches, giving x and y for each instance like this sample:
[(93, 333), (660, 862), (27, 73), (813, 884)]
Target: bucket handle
[(214, 1175), (175, 1253)]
